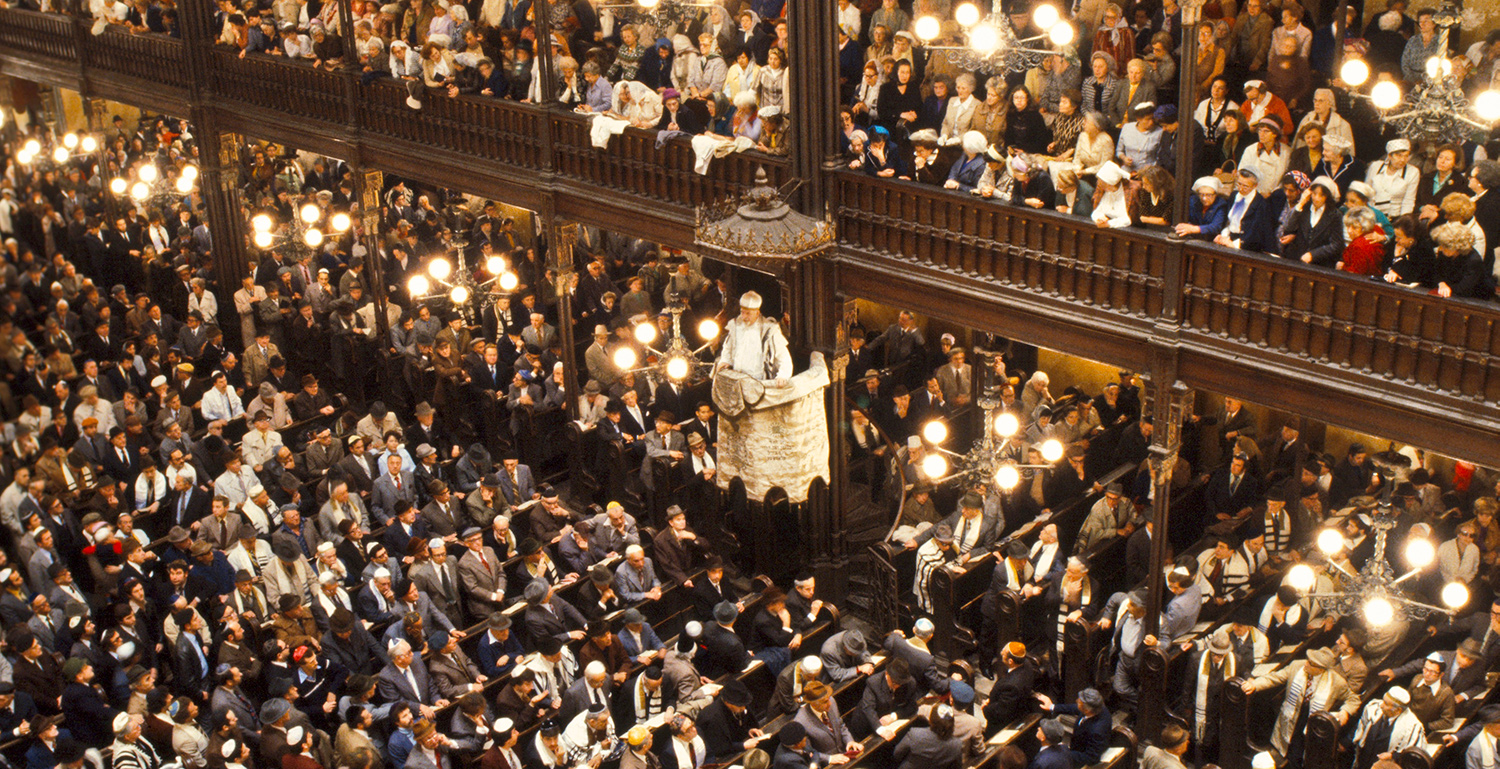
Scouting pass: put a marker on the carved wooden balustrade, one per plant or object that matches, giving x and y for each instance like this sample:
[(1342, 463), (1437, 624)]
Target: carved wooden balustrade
[(46, 35), (156, 58)]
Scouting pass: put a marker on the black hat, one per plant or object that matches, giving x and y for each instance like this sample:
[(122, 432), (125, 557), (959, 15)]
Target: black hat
[(736, 694), (791, 734)]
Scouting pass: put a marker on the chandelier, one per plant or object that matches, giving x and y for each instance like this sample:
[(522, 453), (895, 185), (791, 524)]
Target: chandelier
[(1435, 109), (458, 285), (146, 182), (661, 14), (303, 235), (677, 362), (72, 146), (993, 459), (991, 42), (1375, 591)]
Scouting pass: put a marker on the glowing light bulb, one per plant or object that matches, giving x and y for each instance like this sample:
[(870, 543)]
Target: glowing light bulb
[(459, 294), (313, 238), (1434, 65), (440, 268), (648, 4), (32, 146), (1006, 424), (89, 144), (23, 157), (184, 185), (1052, 450), (494, 265), (1420, 553), (70, 140), (340, 222), (1007, 477), (60, 155), (1487, 106), (645, 333), (708, 330), (967, 14), (310, 213), (1455, 595), (147, 173), (118, 185), (190, 171), (1045, 16), (1330, 541), (984, 39), (418, 285), (261, 223), (934, 466), (1379, 611), (1355, 72), (1301, 577), (1061, 34), (509, 281), (677, 368), (625, 358), (140, 191), (1385, 94), (262, 240), (935, 432), (928, 28)]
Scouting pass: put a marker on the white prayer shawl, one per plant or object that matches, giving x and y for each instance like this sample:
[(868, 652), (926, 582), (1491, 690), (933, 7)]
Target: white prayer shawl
[(1293, 614), (1042, 556), (647, 703), (1406, 730), (1064, 608), (1322, 691), (1013, 579), (1200, 702), (604, 127), (1260, 646)]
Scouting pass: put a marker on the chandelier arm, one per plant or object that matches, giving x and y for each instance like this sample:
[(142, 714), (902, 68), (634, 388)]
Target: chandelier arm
[(1340, 567), (1408, 575)]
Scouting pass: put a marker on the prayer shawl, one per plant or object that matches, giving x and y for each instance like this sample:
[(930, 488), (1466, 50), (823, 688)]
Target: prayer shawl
[(1065, 607), (1200, 702), (1042, 555), (648, 704), (1318, 698), (1406, 730)]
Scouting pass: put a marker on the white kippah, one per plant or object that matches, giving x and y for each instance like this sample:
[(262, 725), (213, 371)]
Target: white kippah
[(751, 300), (382, 573)]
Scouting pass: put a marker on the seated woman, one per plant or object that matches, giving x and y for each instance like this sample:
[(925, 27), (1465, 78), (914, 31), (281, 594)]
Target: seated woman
[(882, 158), (1067, 126), (1358, 196), (1074, 194), (636, 104), (1032, 184), (1411, 254), (1446, 178), (927, 166), (1207, 211), (1154, 199), (1458, 271), (676, 117), (966, 171), (1112, 208), (1095, 146), (1365, 254)]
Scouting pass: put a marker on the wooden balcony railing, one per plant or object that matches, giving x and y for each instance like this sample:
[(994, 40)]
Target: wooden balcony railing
[(37, 34), (496, 129), (156, 58), (1043, 251), (281, 86)]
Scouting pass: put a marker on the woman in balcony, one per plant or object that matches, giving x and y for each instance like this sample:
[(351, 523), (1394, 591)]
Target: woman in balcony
[(1095, 146), (1365, 254), (1319, 230), (628, 57), (1208, 211), (1067, 126), (1154, 200), (927, 166), (1446, 178), (866, 99), (1100, 86), (965, 174), (1111, 206), (1033, 185), (437, 65), (636, 104), (900, 101), (1411, 254), (770, 87), (1074, 194), (1115, 37), (746, 120), (989, 116), (882, 158), (1458, 271), (1025, 130), (1269, 156), (1307, 152)]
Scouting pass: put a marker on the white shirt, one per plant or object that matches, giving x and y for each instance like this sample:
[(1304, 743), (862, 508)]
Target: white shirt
[(744, 350)]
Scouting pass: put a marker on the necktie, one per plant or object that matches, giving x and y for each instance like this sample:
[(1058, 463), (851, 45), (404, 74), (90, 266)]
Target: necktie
[(447, 582), (963, 526), (1234, 484), (398, 483), (1240, 204), (182, 509)]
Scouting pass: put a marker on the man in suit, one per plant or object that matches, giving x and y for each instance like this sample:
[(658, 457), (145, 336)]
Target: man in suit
[(1246, 226), (499, 649), (438, 579), (452, 672), (443, 516), (722, 652), (892, 693), (191, 661), (662, 443), (358, 467), (481, 573), (1302, 679), (257, 358), (1011, 696), (1460, 671), (394, 486), (1091, 733), (956, 379), (1052, 755), (592, 688), (819, 715), (549, 616), (516, 483), (220, 529), (900, 342), (974, 531), (405, 679), (1287, 455), (1230, 492), (1235, 423)]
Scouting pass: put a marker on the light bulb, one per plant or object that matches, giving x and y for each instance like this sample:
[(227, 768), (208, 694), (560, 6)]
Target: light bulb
[(648, 4), (418, 285), (89, 144), (967, 14), (440, 268), (24, 158), (625, 358), (1301, 577), (1433, 65), (509, 281), (60, 155), (459, 294), (1385, 94), (190, 171), (340, 222), (934, 466), (32, 146), (677, 367), (494, 265), (1044, 16), (261, 223), (184, 185), (708, 330), (1487, 106), (262, 240), (1455, 595), (935, 432), (1420, 552), (1355, 72), (1330, 541), (70, 140), (984, 39), (147, 173), (928, 28), (313, 238), (310, 213), (118, 185), (1445, 65), (1061, 34), (645, 333), (1006, 424), (140, 191), (1007, 477), (1379, 611), (1052, 450)]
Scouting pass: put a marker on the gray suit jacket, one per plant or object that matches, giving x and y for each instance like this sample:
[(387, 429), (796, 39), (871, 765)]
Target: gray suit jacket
[(384, 496), (657, 445), (479, 583), (825, 739), (393, 686)]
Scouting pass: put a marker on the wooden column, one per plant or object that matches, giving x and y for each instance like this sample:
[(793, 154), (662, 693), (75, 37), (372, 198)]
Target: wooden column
[(563, 236), (817, 312), (542, 10), (813, 98), (1191, 12), (1169, 406), (220, 184), (371, 183)]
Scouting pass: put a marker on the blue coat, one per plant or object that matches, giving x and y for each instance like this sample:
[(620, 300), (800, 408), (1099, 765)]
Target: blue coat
[(1090, 735), (1209, 221), (967, 173), (87, 716), (490, 652), (1053, 757), (648, 639)]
